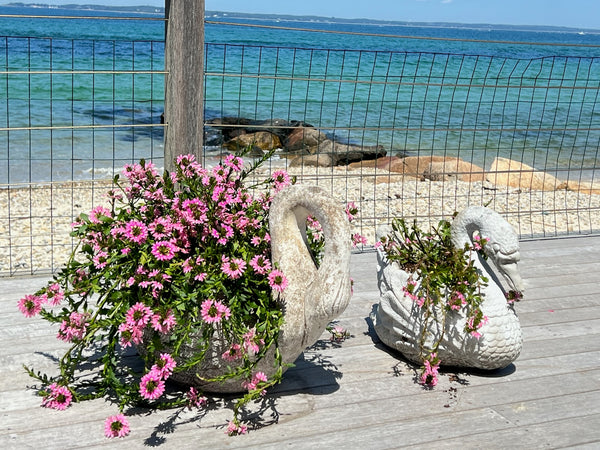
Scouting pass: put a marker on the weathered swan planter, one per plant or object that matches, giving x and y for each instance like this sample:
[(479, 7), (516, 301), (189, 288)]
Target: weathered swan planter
[(314, 296), (399, 321)]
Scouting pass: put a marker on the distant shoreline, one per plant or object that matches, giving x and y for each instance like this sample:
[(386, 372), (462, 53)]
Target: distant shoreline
[(212, 14), (153, 10)]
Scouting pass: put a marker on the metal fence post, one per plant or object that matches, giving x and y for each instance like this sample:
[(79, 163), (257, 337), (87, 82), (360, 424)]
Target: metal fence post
[(184, 81)]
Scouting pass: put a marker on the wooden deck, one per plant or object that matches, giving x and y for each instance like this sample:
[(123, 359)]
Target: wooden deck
[(357, 394)]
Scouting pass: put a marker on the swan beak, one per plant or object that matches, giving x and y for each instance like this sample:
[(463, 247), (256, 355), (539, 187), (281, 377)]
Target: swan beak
[(511, 273)]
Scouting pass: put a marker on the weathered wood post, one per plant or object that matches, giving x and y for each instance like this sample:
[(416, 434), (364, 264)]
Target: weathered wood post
[(184, 80)]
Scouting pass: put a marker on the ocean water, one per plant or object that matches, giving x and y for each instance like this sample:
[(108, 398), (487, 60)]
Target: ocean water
[(474, 99)]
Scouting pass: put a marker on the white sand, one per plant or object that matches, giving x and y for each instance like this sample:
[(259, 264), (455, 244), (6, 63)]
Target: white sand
[(35, 220)]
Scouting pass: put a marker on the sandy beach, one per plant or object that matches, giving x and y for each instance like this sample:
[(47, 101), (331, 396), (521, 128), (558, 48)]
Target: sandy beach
[(35, 219)]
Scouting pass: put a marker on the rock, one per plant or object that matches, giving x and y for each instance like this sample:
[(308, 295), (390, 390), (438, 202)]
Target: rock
[(347, 153), (453, 168), (230, 126), (384, 162), (280, 127), (304, 138), (261, 139), (318, 160), (585, 187), (507, 172)]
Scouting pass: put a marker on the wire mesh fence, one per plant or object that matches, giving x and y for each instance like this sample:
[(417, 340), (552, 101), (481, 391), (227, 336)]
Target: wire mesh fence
[(412, 134), (72, 113), (421, 135)]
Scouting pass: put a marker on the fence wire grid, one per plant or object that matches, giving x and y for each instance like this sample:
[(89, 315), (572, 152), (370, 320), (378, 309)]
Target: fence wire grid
[(417, 135)]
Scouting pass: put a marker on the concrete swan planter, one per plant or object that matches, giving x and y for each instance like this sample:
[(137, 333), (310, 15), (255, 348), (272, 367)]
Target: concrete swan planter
[(314, 295), (399, 321)]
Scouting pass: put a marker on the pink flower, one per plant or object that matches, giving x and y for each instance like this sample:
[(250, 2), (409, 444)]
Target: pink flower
[(59, 397), (260, 264), (258, 377), (30, 305), (116, 426), (456, 301), (252, 342), (136, 231), (152, 385), (138, 315), (212, 311), (351, 211), (96, 214), (164, 322), (234, 353), (74, 328), (130, 334), (195, 400), (234, 162), (233, 268), (430, 373), (100, 260), (54, 295), (234, 429), (277, 280), (164, 250), (164, 366), (281, 179), (358, 238)]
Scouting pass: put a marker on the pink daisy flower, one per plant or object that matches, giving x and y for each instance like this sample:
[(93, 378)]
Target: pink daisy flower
[(30, 305), (252, 342), (97, 213), (234, 353), (152, 385), (138, 315), (116, 426), (164, 250), (213, 311), (100, 260), (59, 397), (54, 295), (164, 322), (130, 334), (277, 280), (195, 399), (358, 238), (260, 264), (74, 328), (161, 227), (164, 366), (281, 179), (233, 429), (136, 231), (351, 211), (233, 267), (430, 372), (234, 162)]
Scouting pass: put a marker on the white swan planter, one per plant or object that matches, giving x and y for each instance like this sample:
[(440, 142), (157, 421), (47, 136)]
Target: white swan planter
[(398, 320), (314, 296)]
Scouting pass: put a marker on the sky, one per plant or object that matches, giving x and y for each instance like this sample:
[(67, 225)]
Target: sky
[(570, 13)]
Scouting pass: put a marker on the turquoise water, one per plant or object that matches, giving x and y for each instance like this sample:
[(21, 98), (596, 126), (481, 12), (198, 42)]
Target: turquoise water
[(471, 99)]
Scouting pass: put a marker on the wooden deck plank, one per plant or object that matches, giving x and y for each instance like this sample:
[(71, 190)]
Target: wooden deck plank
[(359, 394)]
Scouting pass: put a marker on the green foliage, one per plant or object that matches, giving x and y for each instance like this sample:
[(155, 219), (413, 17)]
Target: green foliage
[(443, 279)]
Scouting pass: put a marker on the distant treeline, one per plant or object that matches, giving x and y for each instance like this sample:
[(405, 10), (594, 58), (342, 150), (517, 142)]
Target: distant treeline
[(137, 9)]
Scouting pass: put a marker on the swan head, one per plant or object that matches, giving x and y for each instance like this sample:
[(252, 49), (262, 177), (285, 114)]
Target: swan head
[(502, 247), (506, 259)]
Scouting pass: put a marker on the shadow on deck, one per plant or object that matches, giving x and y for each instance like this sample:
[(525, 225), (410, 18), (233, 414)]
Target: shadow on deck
[(358, 394)]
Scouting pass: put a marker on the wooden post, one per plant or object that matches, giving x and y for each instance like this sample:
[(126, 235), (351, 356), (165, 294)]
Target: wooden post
[(184, 81)]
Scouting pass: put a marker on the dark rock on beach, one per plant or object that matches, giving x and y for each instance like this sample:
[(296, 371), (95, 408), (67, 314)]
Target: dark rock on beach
[(293, 139)]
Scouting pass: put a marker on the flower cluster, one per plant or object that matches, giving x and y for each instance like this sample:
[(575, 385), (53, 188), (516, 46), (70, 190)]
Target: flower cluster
[(173, 256), (443, 280)]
